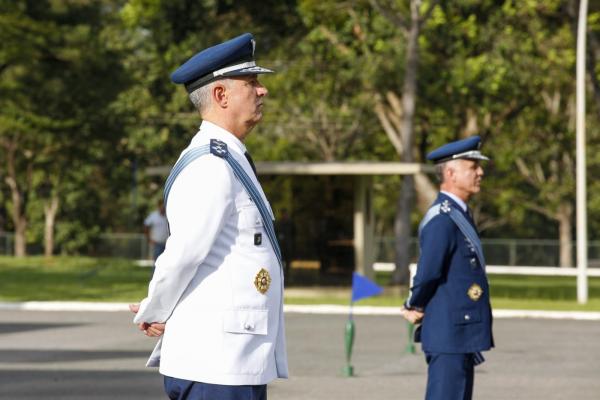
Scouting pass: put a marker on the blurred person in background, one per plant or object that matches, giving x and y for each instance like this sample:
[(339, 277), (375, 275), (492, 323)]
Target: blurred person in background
[(156, 229)]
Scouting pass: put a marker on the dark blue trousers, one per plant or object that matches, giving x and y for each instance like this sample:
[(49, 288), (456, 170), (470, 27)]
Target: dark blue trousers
[(181, 389), (449, 376)]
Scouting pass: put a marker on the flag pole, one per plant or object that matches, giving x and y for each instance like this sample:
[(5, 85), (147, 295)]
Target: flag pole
[(410, 347), (581, 194), (349, 343), (362, 288)]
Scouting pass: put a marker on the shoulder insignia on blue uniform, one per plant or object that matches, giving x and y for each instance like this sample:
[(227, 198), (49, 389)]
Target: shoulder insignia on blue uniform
[(445, 207), (218, 148)]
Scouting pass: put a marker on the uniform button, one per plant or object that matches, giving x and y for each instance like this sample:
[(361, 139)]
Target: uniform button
[(467, 317), (248, 327), (473, 261)]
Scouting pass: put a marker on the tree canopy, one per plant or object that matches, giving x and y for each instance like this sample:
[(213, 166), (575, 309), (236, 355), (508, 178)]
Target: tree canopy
[(87, 105)]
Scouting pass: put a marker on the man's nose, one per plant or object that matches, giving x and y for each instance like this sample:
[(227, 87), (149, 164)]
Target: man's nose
[(261, 91)]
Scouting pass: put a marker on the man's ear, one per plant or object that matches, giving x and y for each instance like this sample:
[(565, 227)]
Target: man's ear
[(448, 172), (219, 94)]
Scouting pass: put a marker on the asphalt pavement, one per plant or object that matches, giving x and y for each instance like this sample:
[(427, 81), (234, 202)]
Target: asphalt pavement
[(100, 355)]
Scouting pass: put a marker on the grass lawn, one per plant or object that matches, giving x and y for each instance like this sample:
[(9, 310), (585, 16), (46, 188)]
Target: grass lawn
[(542, 293), (119, 280), (72, 278)]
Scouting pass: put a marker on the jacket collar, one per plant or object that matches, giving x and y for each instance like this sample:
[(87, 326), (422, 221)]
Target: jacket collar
[(442, 196), (458, 201), (216, 132)]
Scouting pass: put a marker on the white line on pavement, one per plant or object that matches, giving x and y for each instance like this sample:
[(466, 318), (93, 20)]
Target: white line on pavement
[(296, 308)]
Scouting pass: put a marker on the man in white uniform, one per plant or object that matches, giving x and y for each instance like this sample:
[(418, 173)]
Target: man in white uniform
[(217, 292)]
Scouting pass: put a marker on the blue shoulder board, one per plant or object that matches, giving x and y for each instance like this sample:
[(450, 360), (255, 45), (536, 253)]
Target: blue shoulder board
[(218, 148)]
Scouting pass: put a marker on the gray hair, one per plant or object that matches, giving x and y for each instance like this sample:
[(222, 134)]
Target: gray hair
[(439, 171), (201, 98)]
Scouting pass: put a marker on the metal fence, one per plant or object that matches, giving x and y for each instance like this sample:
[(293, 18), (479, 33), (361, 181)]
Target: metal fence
[(122, 245), (533, 252), (6, 243), (125, 245)]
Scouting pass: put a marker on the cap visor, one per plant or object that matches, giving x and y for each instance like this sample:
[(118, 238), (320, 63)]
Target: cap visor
[(480, 157), (469, 155), (249, 71)]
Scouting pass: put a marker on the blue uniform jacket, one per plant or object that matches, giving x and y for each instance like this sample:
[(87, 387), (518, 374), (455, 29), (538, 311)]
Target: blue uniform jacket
[(452, 288)]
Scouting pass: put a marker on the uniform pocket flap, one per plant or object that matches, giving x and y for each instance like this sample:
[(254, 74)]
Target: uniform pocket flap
[(253, 322), (249, 218), (462, 317)]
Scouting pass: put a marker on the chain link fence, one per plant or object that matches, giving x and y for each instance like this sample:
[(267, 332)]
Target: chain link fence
[(532, 252), (121, 245)]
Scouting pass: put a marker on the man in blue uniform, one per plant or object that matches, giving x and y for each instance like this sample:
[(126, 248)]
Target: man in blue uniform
[(450, 291), (217, 292)]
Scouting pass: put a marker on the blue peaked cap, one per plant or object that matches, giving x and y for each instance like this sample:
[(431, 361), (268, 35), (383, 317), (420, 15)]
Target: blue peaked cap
[(466, 148), (234, 57)]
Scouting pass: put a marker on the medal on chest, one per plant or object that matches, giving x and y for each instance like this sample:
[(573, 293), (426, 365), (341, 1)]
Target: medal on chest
[(262, 281), (475, 292)]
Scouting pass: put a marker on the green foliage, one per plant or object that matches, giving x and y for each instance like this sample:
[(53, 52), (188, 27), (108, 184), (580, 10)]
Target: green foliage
[(57, 86), (86, 101), (319, 99)]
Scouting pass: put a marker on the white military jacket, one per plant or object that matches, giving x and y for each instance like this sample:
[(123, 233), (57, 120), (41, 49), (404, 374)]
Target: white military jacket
[(219, 327)]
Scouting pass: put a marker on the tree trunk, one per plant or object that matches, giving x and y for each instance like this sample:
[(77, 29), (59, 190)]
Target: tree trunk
[(403, 230), (565, 227), (50, 211), (18, 201), (402, 225), (20, 248), (19, 219), (426, 192)]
